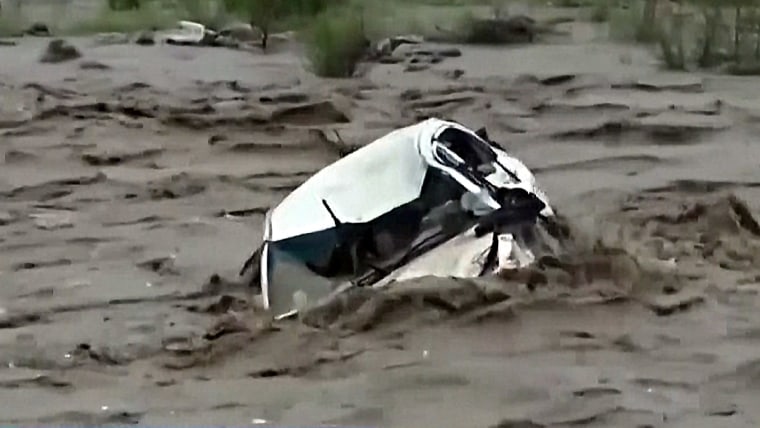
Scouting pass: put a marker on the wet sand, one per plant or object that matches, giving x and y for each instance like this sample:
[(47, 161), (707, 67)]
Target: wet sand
[(125, 189)]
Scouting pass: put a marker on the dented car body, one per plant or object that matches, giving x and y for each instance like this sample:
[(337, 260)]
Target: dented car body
[(434, 198)]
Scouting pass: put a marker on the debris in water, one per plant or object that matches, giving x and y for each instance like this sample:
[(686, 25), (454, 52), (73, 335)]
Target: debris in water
[(53, 220), (59, 50)]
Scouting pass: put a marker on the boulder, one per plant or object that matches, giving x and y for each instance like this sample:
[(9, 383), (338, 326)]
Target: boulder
[(412, 67), (38, 29), (59, 50), (7, 217), (146, 38), (450, 52), (514, 29), (93, 65)]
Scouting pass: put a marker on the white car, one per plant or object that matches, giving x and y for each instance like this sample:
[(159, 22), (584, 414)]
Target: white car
[(434, 198)]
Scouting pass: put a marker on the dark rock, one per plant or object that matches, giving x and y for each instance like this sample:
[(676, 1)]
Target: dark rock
[(38, 29), (159, 265), (517, 423), (7, 43), (449, 52), (59, 50), (93, 65), (515, 29), (453, 74), (216, 138), (284, 97), (557, 79), (7, 218), (412, 67), (424, 59), (389, 59), (146, 38)]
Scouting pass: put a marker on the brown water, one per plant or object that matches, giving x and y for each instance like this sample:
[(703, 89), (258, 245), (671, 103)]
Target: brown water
[(115, 184)]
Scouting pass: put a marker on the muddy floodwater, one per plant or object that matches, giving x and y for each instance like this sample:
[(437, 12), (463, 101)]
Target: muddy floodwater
[(132, 191)]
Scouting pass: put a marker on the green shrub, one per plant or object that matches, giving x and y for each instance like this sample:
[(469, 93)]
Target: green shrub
[(335, 43), (600, 11), (123, 4), (673, 50), (632, 23), (472, 29), (125, 21), (746, 69), (11, 26)]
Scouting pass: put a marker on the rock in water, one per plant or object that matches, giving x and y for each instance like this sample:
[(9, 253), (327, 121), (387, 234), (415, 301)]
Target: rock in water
[(59, 50), (93, 65), (38, 29), (514, 29), (146, 38), (7, 218)]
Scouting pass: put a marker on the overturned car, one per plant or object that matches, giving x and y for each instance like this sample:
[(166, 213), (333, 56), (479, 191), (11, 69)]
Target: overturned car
[(434, 198)]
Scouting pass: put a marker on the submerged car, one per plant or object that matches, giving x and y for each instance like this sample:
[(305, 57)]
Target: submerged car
[(434, 198)]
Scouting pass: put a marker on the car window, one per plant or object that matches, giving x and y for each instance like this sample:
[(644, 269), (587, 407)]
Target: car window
[(473, 151)]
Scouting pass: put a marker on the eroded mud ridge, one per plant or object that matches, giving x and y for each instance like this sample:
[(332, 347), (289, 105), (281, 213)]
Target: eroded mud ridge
[(130, 201)]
